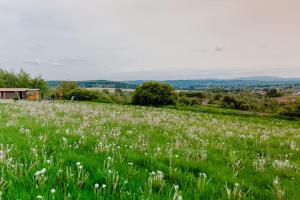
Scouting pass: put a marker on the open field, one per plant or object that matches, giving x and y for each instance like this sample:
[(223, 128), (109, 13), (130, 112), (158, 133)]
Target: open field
[(104, 151)]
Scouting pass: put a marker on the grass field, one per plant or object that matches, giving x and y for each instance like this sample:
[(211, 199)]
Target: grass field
[(104, 151)]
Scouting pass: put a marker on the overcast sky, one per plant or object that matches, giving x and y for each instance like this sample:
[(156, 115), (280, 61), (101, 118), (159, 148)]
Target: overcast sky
[(150, 39)]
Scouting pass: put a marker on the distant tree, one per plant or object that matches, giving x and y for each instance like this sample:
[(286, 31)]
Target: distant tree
[(22, 80), (64, 88), (154, 94), (217, 97), (231, 102), (119, 91), (106, 91), (199, 95), (188, 101), (8, 79), (273, 93), (83, 94), (40, 84), (291, 109)]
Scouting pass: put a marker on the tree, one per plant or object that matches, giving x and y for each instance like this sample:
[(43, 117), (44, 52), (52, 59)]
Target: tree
[(64, 88), (273, 93), (291, 109), (40, 83), (22, 80), (154, 94), (83, 94), (231, 102)]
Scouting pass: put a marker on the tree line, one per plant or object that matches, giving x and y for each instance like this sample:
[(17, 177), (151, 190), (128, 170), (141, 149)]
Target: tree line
[(162, 94), (157, 94), (22, 80)]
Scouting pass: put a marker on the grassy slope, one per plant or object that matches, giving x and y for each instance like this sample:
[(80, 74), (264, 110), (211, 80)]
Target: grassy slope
[(120, 146)]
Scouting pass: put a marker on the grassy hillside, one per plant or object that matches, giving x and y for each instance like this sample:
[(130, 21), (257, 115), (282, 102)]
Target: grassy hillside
[(100, 151)]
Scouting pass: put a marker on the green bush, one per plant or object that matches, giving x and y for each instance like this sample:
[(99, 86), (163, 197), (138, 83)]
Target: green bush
[(64, 88), (245, 107), (273, 93), (199, 95), (104, 97), (188, 101), (154, 94), (230, 102), (292, 110), (83, 94)]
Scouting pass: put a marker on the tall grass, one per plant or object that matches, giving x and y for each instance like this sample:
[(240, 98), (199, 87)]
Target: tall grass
[(104, 151)]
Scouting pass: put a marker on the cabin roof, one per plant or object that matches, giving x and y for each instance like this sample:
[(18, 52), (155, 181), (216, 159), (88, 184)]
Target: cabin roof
[(17, 89)]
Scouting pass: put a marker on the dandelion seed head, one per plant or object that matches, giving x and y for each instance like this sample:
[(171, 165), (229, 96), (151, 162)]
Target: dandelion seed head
[(176, 187)]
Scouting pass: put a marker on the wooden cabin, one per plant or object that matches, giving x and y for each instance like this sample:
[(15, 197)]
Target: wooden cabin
[(20, 93)]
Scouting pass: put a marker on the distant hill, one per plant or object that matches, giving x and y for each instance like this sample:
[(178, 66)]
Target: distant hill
[(269, 79), (256, 81), (96, 84)]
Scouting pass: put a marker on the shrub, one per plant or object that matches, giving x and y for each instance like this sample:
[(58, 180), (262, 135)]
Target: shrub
[(245, 107), (188, 101), (217, 97), (105, 98), (199, 95), (230, 102), (273, 93), (154, 94), (117, 98), (83, 94), (118, 91), (292, 110), (64, 88)]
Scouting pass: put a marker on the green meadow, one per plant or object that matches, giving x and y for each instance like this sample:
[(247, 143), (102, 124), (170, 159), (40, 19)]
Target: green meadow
[(65, 150)]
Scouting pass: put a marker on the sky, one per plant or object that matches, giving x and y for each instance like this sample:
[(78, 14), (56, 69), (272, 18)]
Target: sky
[(150, 39)]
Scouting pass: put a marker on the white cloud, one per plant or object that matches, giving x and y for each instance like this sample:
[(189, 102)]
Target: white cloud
[(33, 62), (73, 59), (55, 64)]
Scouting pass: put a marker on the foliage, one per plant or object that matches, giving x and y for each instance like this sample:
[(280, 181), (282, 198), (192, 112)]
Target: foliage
[(232, 102), (188, 101), (190, 98), (22, 80), (64, 88), (154, 94), (273, 93), (70, 90), (292, 110), (83, 94), (40, 83)]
